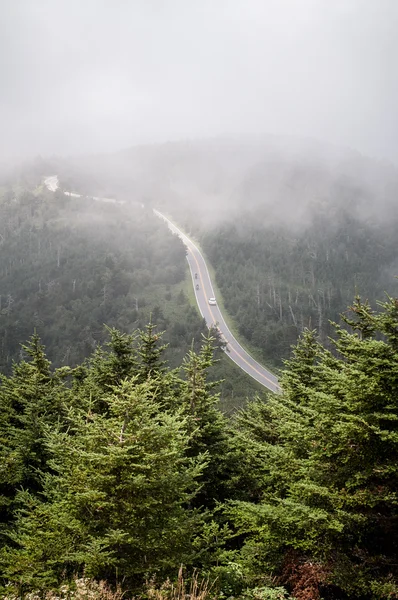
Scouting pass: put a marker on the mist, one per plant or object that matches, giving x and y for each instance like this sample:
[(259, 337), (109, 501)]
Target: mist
[(99, 76)]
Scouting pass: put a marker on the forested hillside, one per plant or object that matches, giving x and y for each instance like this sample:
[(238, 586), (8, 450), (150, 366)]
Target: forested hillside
[(69, 266), (299, 241), (123, 471), (292, 227), (199, 300), (275, 281), (118, 468)]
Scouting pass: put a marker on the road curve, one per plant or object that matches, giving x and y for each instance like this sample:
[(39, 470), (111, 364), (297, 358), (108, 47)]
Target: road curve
[(212, 314)]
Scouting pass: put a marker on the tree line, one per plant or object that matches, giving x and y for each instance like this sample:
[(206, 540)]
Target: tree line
[(69, 265), (123, 469), (276, 280)]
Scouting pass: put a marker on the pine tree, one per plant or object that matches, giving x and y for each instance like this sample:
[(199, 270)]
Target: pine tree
[(30, 400), (326, 484), (150, 352), (116, 502), (118, 363), (108, 367), (206, 425)]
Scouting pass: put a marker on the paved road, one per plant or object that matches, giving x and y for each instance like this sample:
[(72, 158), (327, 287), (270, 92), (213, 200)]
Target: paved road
[(52, 184), (213, 316)]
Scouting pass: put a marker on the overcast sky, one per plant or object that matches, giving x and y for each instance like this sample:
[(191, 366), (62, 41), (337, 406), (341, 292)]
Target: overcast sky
[(95, 75)]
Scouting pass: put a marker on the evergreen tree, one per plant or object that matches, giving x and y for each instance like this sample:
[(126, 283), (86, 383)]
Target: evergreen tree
[(118, 363), (115, 503), (324, 457), (30, 400), (109, 365), (206, 425), (150, 352)]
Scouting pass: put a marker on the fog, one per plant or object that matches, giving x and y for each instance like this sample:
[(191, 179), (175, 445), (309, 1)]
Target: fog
[(95, 76)]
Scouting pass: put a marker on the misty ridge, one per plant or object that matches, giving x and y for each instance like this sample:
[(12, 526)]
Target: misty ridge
[(278, 180), (293, 227), (301, 214)]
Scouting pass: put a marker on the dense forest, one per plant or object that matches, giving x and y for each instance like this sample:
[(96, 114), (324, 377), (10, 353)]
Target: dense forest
[(192, 192), (120, 474), (70, 265), (293, 228), (120, 470), (276, 281)]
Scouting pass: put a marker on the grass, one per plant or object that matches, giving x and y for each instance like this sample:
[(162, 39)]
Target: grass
[(84, 588), (79, 589), (196, 589)]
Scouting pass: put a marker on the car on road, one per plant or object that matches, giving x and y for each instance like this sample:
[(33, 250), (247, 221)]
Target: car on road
[(212, 301)]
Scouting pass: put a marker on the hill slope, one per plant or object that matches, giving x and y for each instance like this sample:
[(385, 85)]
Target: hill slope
[(294, 228)]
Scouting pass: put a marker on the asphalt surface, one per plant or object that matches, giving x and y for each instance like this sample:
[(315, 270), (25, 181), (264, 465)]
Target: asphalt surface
[(212, 314)]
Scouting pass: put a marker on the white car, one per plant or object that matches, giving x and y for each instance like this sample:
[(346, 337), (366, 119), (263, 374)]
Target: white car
[(212, 301)]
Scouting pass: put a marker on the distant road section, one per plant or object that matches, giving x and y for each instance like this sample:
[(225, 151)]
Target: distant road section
[(211, 313), (203, 289), (51, 182)]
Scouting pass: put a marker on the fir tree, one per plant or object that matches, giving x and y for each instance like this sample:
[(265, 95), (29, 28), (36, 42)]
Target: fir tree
[(150, 352), (108, 368), (115, 504), (31, 399), (109, 365), (326, 485), (206, 425)]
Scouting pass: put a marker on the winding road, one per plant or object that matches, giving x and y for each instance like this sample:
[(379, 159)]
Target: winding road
[(211, 313)]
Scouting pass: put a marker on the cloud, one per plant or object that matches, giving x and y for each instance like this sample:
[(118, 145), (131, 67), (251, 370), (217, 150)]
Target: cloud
[(100, 75)]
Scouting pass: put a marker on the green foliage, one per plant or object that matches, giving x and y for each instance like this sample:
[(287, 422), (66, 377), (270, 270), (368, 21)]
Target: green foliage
[(150, 352), (30, 401), (323, 460), (117, 494), (110, 466), (206, 424), (277, 280), (69, 265), (123, 469), (266, 593)]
